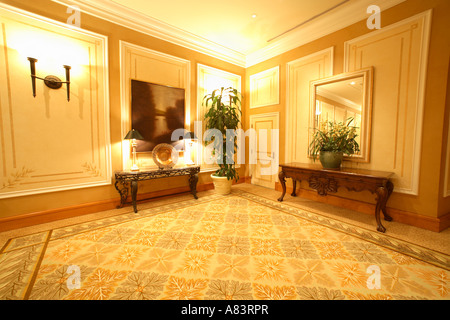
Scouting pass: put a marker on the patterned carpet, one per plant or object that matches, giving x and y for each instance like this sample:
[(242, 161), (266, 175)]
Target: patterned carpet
[(238, 247)]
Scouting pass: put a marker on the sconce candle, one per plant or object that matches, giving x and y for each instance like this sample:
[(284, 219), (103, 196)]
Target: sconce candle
[(50, 81), (67, 81)]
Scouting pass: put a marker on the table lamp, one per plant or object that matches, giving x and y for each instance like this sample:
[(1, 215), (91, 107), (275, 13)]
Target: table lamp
[(134, 135), (189, 138)]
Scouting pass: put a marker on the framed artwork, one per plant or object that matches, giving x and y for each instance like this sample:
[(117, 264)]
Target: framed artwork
[(156, 111)]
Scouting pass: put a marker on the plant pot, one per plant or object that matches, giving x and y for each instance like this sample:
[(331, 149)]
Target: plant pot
[(330, 159), (221, 184)]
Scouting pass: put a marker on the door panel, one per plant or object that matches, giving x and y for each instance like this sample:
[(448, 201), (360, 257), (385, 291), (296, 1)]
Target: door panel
[(264, 172)]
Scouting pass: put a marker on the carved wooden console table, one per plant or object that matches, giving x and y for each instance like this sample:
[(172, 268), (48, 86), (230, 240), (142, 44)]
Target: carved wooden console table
[(125, 178), (328, 181)]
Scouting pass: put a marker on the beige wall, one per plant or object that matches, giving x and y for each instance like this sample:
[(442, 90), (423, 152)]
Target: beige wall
[(47, 142), (115, 33), (429, 200)]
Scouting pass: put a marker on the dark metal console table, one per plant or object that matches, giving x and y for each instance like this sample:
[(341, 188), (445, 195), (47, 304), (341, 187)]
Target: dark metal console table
[(125, 178), (328, 181)]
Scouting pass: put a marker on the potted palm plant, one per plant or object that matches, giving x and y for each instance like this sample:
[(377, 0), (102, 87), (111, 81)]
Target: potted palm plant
[(331, 141), (223, 113)]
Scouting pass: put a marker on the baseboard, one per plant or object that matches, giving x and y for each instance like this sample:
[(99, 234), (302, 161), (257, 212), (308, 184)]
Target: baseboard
[(35, 218), (405, 217)]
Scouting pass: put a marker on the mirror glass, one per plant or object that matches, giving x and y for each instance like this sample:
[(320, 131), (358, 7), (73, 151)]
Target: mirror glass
[(345, 96)]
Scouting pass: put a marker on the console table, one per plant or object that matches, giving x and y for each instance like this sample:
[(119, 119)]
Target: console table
[(125, 178), (327, 181)]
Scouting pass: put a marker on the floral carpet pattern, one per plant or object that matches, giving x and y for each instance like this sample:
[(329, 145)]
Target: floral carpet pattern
[(240, 247)]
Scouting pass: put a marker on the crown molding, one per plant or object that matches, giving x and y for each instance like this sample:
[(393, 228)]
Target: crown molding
[(118, 14), (333, 21)]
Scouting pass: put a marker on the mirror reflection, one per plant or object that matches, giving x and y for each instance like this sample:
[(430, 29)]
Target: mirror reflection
[(340, 101), (342, 97)]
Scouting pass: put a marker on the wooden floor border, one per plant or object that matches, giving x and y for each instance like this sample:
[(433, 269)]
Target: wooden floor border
[(35, 218)]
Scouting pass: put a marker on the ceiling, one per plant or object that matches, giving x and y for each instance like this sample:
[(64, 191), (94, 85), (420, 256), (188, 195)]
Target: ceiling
[(241, 25), (242, 32)]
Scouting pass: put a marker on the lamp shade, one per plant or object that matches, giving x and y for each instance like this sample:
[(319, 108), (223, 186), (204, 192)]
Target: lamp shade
[(133, 134)]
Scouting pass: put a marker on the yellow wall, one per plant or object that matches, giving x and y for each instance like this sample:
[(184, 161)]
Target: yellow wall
[(47, 201), (429, 201)]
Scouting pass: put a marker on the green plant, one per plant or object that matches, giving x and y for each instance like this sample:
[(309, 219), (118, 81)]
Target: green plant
[(224, 113), (335, 137)]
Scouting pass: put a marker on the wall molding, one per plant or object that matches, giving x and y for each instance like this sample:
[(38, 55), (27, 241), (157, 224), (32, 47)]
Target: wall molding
[(419, 89), (95, 170), (126, 68), (118, 14), (291, 113), (347, 15), (209, 79), (262, 82)]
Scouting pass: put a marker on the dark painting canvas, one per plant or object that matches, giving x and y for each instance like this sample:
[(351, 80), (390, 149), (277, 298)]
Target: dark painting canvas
[(156, 111)]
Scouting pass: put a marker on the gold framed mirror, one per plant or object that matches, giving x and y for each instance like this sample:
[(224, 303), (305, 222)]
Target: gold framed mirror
[(344, 96)]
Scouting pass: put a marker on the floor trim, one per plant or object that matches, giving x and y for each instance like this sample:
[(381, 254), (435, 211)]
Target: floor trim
[(35, 218), (405, 217)]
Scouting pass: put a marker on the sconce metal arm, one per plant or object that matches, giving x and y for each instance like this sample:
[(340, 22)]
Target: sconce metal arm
[(50, 81)]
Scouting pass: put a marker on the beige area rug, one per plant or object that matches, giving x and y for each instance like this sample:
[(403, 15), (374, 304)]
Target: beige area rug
[(240, 247)]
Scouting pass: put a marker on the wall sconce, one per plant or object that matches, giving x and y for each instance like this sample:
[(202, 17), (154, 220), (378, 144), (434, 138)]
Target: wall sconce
[(50, 81), (134, 135)]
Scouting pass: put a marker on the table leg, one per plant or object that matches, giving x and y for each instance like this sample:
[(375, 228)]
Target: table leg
[(123, 191), (193, 179), (294, 182), (134, 188), (382, 194), (282, 177), (390, 189)]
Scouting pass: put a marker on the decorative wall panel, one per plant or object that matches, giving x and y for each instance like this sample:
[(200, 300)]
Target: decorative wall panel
[(399, 55), (210, 79), (265, 88), (46, 142), (143, 64), (299, 74)]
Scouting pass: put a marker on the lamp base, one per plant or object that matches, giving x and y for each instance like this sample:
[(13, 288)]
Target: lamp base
[(134, 168)]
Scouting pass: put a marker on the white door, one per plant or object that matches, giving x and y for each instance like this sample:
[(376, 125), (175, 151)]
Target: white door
[(265, 171)]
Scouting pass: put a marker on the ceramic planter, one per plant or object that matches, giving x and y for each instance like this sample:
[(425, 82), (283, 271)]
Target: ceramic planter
[(221, 184), (330, 159)]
